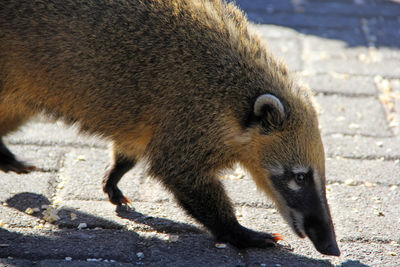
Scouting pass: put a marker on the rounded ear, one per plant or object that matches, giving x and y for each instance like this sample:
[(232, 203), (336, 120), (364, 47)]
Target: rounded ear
[(270, 108)]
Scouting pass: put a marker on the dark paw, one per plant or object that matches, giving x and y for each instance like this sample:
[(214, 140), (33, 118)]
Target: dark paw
[(116, 197), (242, 238), (14, 165), (8, 162)]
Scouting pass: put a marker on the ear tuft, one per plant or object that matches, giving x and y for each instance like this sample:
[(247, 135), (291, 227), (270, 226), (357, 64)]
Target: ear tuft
[(269, 107)]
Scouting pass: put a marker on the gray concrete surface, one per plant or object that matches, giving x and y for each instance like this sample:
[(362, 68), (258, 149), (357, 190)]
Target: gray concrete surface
[(347, 51)]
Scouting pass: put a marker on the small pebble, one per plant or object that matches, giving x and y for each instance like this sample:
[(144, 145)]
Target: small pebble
[(29, 211), (392, 253), (68, 258), (82, 226), (50, 215), (93, 260), (81, 158), (379, 144), (140, 255), (354, 126), (395, 244), (379, 213), (368, 184), (73, 216), (220, 245), (173, 238), (350, 182)]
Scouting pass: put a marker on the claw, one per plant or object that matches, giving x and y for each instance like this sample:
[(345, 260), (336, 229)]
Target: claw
[(126, 201), (277, 237)]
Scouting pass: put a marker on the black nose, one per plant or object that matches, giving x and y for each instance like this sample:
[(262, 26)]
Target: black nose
[(322, 235), (332, 249)]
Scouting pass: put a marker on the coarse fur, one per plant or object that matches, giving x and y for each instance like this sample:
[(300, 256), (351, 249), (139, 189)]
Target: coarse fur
[(173, 82)]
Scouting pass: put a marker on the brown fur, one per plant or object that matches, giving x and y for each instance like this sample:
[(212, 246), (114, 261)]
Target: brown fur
[(170, 81)]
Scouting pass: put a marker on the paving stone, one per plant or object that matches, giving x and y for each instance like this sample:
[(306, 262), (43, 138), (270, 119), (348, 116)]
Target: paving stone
[(333, 56), (245, 192), (13, 185), (342, 84), (352, 206), (44, 158), (361, 171), (321, 55), (362, 147), (135, 185), (143, 216), (14, 262), (353, 254), (389, 68), (16, 216), (349, 115), (333, 44)]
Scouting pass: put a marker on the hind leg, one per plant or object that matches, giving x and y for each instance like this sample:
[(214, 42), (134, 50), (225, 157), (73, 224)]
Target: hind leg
[(120, 166), (10, 121)]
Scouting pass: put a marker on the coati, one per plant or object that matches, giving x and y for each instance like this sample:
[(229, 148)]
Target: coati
[(180, 83)]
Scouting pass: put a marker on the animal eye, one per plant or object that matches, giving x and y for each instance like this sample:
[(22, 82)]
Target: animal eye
[(300, 178)]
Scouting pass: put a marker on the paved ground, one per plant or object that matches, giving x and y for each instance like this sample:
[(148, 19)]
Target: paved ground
[(347, 51)]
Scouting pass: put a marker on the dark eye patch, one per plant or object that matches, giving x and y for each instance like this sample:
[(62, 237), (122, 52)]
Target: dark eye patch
[(298, 199)]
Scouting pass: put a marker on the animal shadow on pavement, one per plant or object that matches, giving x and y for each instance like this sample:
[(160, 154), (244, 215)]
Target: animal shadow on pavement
[(110, 242)]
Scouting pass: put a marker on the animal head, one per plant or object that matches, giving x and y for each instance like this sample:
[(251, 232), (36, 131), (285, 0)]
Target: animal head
[(285, 155)]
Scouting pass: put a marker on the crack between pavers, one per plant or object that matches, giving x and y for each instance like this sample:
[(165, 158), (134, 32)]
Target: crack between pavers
[(353, 75), (340, 134), (360, 183), (316, 72), (58, 183), (369, 157), (358, 135), (388, 97), (343, 94), (377, 240), (46, 170)]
